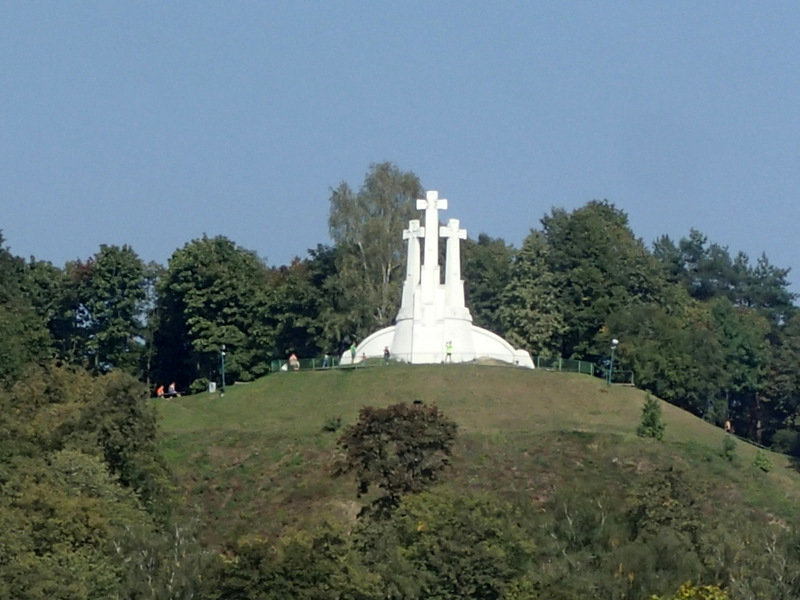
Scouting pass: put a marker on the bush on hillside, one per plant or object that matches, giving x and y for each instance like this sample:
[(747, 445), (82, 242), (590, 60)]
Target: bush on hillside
[(762, 461), (693, 592), (729, 448), (652, 424)]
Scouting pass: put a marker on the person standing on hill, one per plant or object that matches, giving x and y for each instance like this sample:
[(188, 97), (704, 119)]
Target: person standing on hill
[(448, 352), (353, 353)]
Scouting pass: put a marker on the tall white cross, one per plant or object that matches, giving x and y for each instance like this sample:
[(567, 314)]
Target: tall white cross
[(431, 205), (454, 235), (412, 234)]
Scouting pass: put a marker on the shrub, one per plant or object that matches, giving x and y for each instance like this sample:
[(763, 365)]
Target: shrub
[(332, 424), (691, 592), (652, 424), (199, 385), (762, 461), (729, 448)]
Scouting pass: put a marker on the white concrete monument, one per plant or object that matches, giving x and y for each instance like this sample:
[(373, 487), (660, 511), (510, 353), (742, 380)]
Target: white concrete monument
[(434, 324)]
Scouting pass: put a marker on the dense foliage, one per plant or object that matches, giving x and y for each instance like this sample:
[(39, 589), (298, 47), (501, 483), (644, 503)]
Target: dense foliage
[(85, 497), (86, 503), (703, 329)]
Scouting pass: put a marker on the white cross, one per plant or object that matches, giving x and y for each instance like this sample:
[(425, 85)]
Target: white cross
[(453, 235), (431, 205)]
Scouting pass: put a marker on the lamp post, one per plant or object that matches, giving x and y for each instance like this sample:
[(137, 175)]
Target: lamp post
[(222, 359), (614, 344)]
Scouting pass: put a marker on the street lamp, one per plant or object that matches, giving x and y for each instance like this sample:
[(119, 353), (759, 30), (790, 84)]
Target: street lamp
[(614, 344), (222, 358)]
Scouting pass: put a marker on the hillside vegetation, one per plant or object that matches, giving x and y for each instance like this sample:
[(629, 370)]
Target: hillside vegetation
[(259, 461)]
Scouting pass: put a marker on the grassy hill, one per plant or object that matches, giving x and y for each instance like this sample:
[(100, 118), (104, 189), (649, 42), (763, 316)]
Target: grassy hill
[(258, 460)]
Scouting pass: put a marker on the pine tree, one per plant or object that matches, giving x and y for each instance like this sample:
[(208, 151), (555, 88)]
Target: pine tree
[(652, 424)]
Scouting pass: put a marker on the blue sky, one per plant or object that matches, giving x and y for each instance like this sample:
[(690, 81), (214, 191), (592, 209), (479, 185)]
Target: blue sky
[(151, 123)]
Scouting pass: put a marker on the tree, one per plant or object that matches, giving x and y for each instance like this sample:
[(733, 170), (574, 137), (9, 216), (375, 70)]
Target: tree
[(83, 508), (293, 308), (367, 229), (400, 449), (743, 337), (214, 293), (112, 302), (652, 423), (442, 544), (599, 268), (318, 565), (486, 269), (675, 353), (767, 289), (23, 339), (23, 334), (529, 309), (782, 382)]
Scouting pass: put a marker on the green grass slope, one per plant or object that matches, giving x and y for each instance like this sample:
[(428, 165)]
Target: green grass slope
[(258, 461)]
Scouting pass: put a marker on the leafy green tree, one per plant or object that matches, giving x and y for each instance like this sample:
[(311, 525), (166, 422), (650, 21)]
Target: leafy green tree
[(400, 449), (213, 293), (54, 297), (367, 227), (293, 308), (120, 422), (675, 353), (319, 565), (530, 311), (83, 502), (743, 336), (112, 303), (442, 545), (60, 513), (782, 383), (23, 334), (23, 339), (599, 268), (486, 270)]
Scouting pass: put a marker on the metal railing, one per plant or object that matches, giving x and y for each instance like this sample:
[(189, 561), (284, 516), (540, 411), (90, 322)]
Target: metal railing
[(549, 363)]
